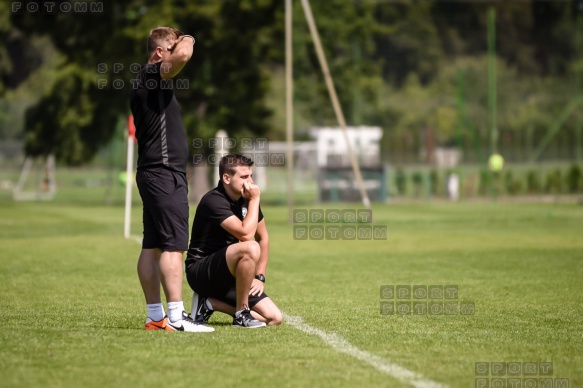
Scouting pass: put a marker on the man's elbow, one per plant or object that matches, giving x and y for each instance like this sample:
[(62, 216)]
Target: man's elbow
[(247, 237)]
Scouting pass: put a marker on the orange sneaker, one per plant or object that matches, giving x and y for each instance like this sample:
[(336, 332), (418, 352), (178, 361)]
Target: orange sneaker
[(158, 325)]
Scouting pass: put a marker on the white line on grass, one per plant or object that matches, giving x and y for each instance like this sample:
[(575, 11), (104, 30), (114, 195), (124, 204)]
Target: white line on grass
[(341, 345)]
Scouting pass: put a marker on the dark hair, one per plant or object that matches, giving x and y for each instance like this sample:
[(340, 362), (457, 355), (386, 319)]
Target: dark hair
[(230, 161), (160, 35)]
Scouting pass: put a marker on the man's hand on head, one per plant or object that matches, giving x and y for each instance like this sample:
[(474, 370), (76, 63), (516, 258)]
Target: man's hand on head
[(174, 44), (178, 40)]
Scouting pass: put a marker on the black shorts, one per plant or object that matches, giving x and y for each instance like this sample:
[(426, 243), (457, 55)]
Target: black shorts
[(210, 277), (165, 209)]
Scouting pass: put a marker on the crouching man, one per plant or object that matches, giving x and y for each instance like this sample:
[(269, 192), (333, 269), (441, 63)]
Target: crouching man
[(229, 249)]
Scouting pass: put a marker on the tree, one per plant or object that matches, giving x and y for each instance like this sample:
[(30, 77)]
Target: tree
[(224, 88), (346, 30), (395, 64)]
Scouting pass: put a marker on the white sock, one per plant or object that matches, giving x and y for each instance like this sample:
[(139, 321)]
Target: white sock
[(175, 310), (155, 311)]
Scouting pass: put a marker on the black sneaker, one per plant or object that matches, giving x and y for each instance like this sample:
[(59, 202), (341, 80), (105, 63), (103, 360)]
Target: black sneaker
[(200, 311), (244, 319), (187, 324)]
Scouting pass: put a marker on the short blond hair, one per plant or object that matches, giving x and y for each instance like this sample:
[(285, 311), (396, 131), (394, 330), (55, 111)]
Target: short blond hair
[(160, 35)]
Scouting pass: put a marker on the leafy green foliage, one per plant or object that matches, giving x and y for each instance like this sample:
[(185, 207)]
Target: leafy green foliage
[(78, 114), (409, 67), (574, 179)]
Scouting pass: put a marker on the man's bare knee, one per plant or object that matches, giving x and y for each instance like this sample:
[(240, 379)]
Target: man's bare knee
[(276, 319), (251, 249), (242, 252)]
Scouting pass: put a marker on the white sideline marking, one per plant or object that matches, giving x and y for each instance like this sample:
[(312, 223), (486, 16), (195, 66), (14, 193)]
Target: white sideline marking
[(341, 345)]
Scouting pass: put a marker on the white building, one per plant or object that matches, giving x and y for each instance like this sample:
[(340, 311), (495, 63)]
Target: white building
[(332, 150)]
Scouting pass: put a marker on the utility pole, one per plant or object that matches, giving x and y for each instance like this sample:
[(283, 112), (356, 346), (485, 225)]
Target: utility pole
[(289, 108)]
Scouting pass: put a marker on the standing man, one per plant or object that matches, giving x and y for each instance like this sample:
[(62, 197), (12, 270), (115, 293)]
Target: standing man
[(161, 179), (229, 250)]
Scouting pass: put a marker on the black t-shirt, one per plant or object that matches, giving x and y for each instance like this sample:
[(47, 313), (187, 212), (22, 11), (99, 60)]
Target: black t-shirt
[(207, 234), (159, 130)]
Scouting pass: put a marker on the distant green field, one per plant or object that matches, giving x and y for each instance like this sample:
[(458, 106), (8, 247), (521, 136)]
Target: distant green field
[(73, 312)]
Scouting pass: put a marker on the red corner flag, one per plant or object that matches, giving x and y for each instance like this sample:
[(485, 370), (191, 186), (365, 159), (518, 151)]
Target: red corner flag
[(131, 128)]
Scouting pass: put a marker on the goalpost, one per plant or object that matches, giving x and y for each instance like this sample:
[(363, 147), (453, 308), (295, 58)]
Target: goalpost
[(45, 188)]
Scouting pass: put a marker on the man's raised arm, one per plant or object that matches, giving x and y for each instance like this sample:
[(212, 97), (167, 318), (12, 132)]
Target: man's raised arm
[(181, 53)]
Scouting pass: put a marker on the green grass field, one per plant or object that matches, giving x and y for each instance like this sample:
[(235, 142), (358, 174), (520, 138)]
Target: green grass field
[(73, 312)]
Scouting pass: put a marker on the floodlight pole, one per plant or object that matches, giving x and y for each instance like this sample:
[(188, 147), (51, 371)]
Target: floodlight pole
[(289, 108), (492, 79), (334, 98)]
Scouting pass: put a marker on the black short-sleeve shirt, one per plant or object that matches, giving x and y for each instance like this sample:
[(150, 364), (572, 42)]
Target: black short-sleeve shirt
[(161, 136), (208, 236)]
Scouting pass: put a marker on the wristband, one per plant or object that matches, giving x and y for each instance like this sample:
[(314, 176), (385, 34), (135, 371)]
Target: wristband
[(189, 36)]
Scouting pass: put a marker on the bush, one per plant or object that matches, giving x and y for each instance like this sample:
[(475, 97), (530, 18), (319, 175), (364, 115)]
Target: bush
[(533, 185), (511, 185), (434, 181), (484, 183), (401, 181), (573, 179), (508, 181), (554, 182), (549, 182), (417, 179)]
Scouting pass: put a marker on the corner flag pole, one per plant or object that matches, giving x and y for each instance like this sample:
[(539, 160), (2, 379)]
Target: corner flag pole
[(334, 98), (129, 175)]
